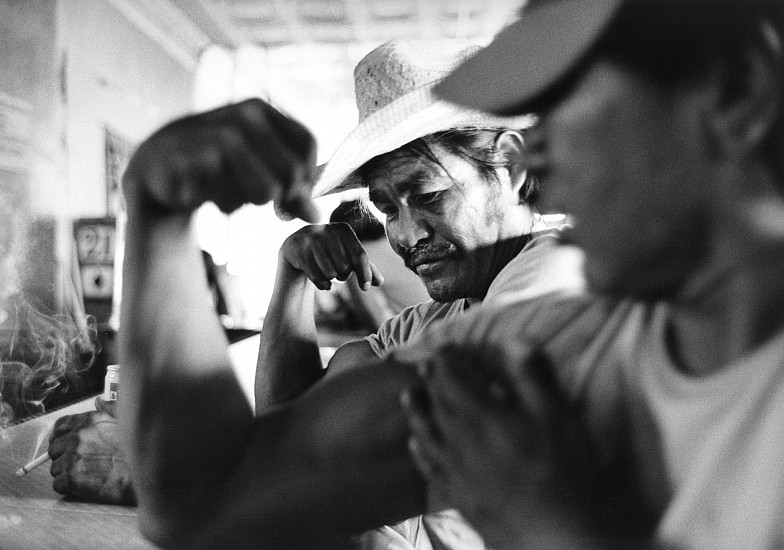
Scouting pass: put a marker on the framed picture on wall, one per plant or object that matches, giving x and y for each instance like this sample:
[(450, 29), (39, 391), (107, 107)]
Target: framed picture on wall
[(118, 153)]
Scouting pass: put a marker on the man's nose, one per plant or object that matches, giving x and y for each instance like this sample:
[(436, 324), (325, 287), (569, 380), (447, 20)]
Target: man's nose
[(412, 229)]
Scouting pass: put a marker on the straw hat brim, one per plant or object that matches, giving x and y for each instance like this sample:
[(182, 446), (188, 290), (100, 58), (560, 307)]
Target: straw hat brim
[(411, 116)]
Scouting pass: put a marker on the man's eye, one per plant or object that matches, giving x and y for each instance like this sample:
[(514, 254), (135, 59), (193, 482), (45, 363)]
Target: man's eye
[(429, 198)]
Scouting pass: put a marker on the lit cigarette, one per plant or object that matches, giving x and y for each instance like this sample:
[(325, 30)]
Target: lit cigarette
[(32, 465)]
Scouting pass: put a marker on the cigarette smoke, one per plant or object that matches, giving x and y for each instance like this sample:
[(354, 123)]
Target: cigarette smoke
[(39, 353)]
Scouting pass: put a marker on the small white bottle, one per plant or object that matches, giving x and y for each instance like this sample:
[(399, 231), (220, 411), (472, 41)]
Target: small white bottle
[(111, 384)]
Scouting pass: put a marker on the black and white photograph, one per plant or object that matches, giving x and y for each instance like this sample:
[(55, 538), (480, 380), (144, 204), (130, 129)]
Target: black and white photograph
[(392, 274)]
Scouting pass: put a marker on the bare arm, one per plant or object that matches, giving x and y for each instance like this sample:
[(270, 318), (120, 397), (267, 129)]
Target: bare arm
[(289, 360), (207, 471)]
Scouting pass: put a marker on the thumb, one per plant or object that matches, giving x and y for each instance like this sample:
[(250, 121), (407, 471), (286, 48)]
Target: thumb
[(376, 277), (108, 407)]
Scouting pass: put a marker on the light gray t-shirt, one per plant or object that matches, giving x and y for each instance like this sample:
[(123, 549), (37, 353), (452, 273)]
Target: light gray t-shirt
[(542, 267)]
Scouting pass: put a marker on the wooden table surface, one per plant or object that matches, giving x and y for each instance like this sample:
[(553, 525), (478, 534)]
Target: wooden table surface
[(33, 516)]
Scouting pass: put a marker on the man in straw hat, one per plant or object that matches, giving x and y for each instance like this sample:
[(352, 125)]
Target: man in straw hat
[(661, 131), (334, 461), (459, 212)]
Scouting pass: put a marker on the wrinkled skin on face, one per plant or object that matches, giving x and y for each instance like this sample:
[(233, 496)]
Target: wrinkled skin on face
[(451, 226)]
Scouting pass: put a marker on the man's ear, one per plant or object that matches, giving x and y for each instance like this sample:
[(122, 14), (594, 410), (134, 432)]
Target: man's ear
[(748, 95), (511, 150)]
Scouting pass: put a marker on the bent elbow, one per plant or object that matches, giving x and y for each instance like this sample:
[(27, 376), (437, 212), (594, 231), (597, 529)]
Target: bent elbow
[(170, 522)]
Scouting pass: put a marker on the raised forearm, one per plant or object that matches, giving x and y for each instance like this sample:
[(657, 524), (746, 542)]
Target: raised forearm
[(289, 360), (185, 419)]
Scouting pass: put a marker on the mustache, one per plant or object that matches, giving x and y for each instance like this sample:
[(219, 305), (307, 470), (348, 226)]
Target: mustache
[(421, 253)]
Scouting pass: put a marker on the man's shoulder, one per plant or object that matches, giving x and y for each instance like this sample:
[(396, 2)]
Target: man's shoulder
[(545, 265), (427, 312), (411, 322)]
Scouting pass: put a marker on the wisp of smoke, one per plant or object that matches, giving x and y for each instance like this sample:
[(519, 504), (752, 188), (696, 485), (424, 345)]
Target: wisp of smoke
[(40, 353)]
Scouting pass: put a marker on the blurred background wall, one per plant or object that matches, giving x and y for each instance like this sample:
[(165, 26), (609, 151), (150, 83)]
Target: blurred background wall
[(82, 82)]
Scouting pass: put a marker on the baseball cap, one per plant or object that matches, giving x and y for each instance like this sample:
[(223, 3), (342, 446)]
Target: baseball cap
[(528, 56)]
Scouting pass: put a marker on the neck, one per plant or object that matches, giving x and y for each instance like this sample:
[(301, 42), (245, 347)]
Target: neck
[(731, 308), (504, 251)]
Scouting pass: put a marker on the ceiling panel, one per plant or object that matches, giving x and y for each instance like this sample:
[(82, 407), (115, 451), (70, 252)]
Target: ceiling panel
[(272, 23)]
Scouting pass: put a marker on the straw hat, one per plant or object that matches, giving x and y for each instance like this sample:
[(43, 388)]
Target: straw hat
[(393, 86)]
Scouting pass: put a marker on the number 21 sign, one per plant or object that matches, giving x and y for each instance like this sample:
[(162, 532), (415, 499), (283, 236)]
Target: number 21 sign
[(95, 241)]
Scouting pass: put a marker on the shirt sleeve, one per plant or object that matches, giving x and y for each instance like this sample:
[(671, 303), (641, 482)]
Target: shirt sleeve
[(410, 323), (396, 330)]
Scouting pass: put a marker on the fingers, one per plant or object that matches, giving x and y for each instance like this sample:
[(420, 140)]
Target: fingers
[(469, 399), (424, 441), (57, 466), (108, 407), (331, 251), (458, 392), (357, 259), (322, 268), (73, 476), (376, 277), (61, 484), (256, 179), (290, 150), (243, 153), (85, 461), (529, 379), (69, 423), (62, 451), (59, 446)]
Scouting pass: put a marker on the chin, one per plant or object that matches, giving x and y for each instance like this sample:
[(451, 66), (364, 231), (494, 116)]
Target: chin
[(442, 297), (442, 293)]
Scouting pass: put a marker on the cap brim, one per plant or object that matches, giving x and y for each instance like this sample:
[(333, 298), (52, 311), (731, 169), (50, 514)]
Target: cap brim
[(529, 56)]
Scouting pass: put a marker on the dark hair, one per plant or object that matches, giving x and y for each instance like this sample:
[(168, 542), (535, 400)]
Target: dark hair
[(473, 145), (362, 221), (677, 41)]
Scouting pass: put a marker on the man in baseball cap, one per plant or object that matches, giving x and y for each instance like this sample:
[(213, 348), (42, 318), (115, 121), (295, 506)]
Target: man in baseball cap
[(660, 132)]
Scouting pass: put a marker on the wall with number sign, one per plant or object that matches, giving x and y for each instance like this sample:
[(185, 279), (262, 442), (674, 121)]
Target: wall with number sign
[(80, 86)]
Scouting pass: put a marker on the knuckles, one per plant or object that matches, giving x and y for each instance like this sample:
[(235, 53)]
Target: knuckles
[(205, 157)]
